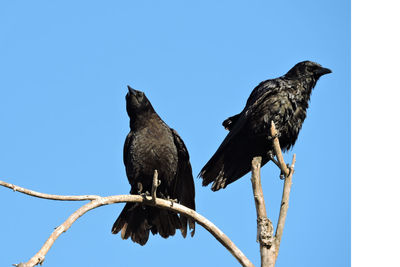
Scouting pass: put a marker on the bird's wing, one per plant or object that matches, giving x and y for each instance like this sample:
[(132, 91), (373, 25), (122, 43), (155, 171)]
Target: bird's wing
[(251, 123), (127, 155), (185, 184), (259, 95), (261, 90), (230, 122), (257, 92)]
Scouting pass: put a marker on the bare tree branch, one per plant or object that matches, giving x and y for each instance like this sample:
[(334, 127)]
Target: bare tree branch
[(48, 196), (284, 207), (269, 244), (146, 200), (265, 230), (278, 151), (286, 188), (155, 184)]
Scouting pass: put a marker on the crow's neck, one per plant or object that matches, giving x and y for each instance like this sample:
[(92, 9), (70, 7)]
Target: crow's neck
[(143, 119), (305, 87)]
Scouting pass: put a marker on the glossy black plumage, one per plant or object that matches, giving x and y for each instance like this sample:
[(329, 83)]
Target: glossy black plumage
[(283, 100), (152, 145)]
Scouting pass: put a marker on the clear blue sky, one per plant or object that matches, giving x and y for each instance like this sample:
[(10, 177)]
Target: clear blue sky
[(64, 70)]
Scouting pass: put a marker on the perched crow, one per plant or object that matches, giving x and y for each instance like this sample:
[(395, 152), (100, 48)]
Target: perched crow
[(283, 100), (152, 145)]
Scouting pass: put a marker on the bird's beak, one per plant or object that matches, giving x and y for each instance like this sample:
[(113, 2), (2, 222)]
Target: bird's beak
[(323, 71), (131, 90)]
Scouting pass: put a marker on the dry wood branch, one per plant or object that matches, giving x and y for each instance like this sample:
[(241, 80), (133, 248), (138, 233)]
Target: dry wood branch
[(278, 151), (48, 196), (264, 226), (269, 244), (101, 201), (284, 207), (286, 188), (156, 183)]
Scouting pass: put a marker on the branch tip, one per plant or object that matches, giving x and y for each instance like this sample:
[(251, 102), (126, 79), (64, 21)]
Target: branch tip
[(156, 183)]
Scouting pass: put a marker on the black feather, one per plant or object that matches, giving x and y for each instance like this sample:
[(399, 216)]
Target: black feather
[(152, 145), (283, 100)]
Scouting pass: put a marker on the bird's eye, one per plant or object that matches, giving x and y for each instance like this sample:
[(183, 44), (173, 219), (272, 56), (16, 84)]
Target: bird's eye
[(311, 68)]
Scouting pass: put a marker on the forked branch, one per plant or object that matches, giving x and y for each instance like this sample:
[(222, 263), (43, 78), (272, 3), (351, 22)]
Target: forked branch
[(97, 201), (286, 188), (265, 230), (269, 244)]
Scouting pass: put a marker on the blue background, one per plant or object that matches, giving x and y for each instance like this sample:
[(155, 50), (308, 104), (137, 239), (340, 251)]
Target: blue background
[(64, 68)]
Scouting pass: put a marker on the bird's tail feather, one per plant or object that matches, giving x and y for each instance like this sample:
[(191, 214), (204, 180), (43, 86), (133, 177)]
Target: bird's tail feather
[(227, 166), (187, 201), (214, 172), (230, 122), (212, 169), (136, 221)]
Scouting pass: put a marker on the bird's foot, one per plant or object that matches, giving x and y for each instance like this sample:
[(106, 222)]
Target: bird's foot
[(172, 200), (282, 175), (139, 189), (168, 198), (145, 194)]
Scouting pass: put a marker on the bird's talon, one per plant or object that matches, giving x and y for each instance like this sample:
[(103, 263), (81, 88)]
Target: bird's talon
[(282, 176), (289, 168), (145, 194), (173, 200)]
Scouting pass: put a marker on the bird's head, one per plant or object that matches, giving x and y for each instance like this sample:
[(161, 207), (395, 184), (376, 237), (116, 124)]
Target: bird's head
[(136, 102), (307, 69)]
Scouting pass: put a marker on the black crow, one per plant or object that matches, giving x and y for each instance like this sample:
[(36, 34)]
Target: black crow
[(152, 145), (283, 100)]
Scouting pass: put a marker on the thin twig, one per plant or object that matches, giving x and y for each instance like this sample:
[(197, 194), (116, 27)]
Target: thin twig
[(284, 207), (269, 244), (265, 231), (48, 196), (271, 158), (278, 151), (39, 257), (156, 183), (286, 188)]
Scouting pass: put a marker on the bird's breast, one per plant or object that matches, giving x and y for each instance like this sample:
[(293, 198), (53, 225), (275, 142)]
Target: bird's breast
[(153, 149)]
